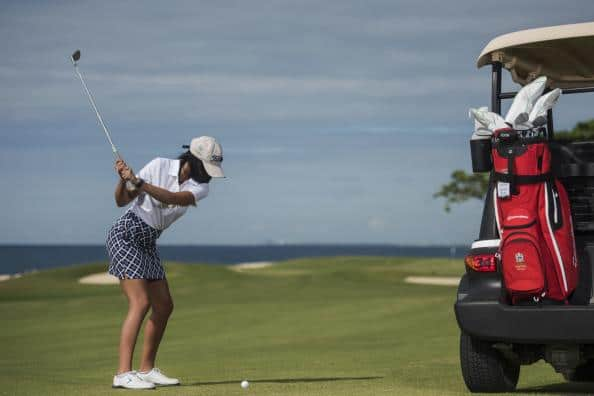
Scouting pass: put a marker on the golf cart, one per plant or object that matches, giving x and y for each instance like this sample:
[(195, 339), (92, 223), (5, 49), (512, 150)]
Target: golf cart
[(496, 336)]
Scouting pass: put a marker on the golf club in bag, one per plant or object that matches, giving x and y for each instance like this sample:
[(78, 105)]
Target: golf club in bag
[(75, 57)]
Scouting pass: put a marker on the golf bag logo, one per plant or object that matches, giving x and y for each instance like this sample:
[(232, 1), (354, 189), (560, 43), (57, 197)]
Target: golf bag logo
[(520, 262)]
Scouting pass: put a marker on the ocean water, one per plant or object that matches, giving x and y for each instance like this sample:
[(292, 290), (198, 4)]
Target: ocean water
[(24, 258)]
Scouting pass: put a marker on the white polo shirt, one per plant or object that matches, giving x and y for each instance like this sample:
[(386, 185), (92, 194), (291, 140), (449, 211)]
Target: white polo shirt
[(163, 172)]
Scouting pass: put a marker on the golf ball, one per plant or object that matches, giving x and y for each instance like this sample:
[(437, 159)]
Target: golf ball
[(245, 384)]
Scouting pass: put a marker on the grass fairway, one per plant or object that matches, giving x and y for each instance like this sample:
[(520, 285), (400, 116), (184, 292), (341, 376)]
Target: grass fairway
[(331, 326)]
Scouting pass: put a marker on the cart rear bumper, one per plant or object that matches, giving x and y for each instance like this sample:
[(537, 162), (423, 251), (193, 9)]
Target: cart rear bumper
[(491, 320)]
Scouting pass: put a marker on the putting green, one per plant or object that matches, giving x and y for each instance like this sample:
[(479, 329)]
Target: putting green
[(328, 326)]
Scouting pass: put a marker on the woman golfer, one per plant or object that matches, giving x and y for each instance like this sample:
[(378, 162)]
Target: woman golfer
[(164, 189)]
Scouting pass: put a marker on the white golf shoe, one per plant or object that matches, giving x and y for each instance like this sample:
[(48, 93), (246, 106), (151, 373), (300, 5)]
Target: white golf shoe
[(131, 380), (158, 378)]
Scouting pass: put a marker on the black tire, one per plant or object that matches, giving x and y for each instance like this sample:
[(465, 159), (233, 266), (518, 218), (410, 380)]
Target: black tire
[(485, 369), (583, 373)]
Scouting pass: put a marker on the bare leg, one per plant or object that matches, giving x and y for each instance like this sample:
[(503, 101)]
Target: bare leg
[(138, 304), (162, 306)]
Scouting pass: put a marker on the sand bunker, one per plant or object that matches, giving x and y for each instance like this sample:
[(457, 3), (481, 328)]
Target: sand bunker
[(5, 277), (433, 280), (102, 278), (248, 266)]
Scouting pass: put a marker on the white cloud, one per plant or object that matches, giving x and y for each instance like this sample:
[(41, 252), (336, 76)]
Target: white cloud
[(376, 223), (229, 97)]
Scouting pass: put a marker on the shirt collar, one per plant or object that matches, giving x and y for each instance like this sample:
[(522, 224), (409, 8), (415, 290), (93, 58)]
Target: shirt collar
[(174, 168)]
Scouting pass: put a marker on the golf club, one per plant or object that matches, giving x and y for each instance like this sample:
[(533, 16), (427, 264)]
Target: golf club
[(75, 57)]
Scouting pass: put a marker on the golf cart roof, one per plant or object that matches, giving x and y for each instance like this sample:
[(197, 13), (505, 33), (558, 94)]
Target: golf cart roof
[(565, 54)]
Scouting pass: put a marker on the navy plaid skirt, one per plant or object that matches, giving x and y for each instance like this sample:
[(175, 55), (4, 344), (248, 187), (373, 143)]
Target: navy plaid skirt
[(132, 249)]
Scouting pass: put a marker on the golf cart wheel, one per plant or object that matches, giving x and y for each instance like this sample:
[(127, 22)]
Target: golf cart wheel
[(484, 368), (583, 373)]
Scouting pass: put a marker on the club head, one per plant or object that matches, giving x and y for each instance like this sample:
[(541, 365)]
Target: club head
[(76, 56)]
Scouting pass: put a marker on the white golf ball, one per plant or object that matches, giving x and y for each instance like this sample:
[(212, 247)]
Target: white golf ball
[(245, 384)]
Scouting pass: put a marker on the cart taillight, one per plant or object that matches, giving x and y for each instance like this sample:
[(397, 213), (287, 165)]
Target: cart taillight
[(481, 262)]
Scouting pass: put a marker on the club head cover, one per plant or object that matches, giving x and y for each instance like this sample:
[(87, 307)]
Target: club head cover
[(491, 121), (525, 99), (544, 104), (480, 130)]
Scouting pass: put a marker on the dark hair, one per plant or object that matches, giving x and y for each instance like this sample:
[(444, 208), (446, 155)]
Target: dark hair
[(197, 171)]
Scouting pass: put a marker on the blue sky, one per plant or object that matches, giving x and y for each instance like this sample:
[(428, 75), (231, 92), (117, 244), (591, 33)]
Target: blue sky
[(338, 119)]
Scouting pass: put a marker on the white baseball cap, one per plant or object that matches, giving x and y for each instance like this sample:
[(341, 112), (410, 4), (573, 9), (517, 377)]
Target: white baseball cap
[(210, 152)]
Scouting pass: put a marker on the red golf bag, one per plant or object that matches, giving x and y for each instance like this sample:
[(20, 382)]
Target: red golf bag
[(537, 248)]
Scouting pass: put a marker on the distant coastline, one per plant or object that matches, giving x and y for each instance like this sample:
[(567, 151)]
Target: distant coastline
[(26, 258)]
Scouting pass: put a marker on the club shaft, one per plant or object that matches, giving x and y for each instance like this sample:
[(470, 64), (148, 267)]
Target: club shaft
[(90, 96)]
